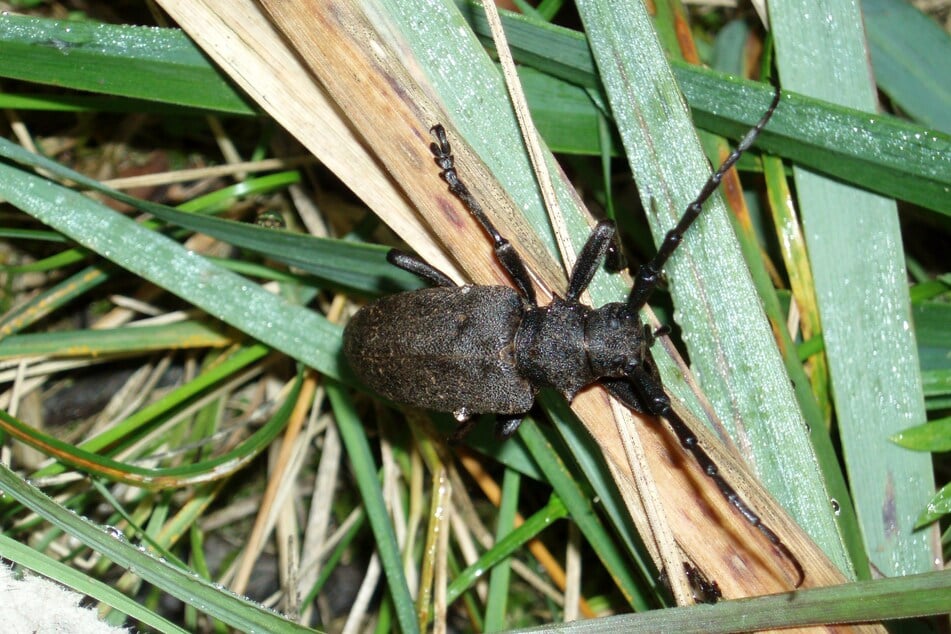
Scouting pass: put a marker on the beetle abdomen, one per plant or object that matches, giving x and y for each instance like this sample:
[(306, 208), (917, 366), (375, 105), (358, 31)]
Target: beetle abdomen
[(444, 349)]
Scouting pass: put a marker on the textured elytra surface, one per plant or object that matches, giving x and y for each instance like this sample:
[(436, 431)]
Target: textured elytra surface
[(444, 349)]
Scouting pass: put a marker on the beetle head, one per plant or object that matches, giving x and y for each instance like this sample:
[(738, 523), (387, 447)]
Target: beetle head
[(617, 341)]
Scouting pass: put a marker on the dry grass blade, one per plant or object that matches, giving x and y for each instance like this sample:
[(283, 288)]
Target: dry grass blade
[(242, 40)]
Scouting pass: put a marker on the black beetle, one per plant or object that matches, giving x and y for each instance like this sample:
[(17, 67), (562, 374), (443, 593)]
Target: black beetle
[(489, 349)]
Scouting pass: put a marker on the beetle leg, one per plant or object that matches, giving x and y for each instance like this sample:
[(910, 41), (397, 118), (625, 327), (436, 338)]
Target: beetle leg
[(466, 423), (419, 267), (622, 391), (505, 426), (504, 252), (592, 254)]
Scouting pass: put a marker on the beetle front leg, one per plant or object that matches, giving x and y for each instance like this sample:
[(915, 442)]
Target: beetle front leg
[(651, 395), (419, 267), (592, 254)]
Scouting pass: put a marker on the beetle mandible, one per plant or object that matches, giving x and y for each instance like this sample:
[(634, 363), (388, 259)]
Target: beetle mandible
[(489, 349)]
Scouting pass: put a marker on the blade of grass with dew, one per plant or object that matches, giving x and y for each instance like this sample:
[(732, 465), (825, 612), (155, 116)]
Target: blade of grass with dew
[(933, 333), (114, 59), (812, 385), (730, 343), (881, 153), (342, 263), (859, 603), (239, 613), (876, 160), (880, 162), (131, 339), (855, 248), (790, 240), (82, 583), (300, 333)]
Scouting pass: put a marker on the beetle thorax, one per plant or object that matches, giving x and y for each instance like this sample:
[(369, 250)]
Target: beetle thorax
[(567, 345), (550, 347)]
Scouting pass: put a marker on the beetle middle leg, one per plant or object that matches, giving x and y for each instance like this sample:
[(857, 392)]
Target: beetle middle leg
[(600, 243), (505, 426)]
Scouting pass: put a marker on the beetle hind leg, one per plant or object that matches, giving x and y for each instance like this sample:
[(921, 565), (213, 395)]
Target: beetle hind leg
[(466, 422), (505, 425), (505, 253)]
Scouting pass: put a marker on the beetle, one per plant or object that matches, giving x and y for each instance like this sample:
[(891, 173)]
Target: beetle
[(476, 349)]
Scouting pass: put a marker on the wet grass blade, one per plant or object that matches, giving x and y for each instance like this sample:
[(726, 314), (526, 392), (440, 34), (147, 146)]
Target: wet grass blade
[(855, 249)]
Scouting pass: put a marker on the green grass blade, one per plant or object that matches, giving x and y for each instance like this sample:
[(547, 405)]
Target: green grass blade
[(82, 583), (854, 243), (118, 436), (171, 477), (304, 335), (506, 546), (582, 513), (592, 468), (500, 585), (881, 153), (341, 263), (814, 133), (237, 612), (859, 602), (52, 298), (137, 339), (128, 61), (909, 54), (355, 440)]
